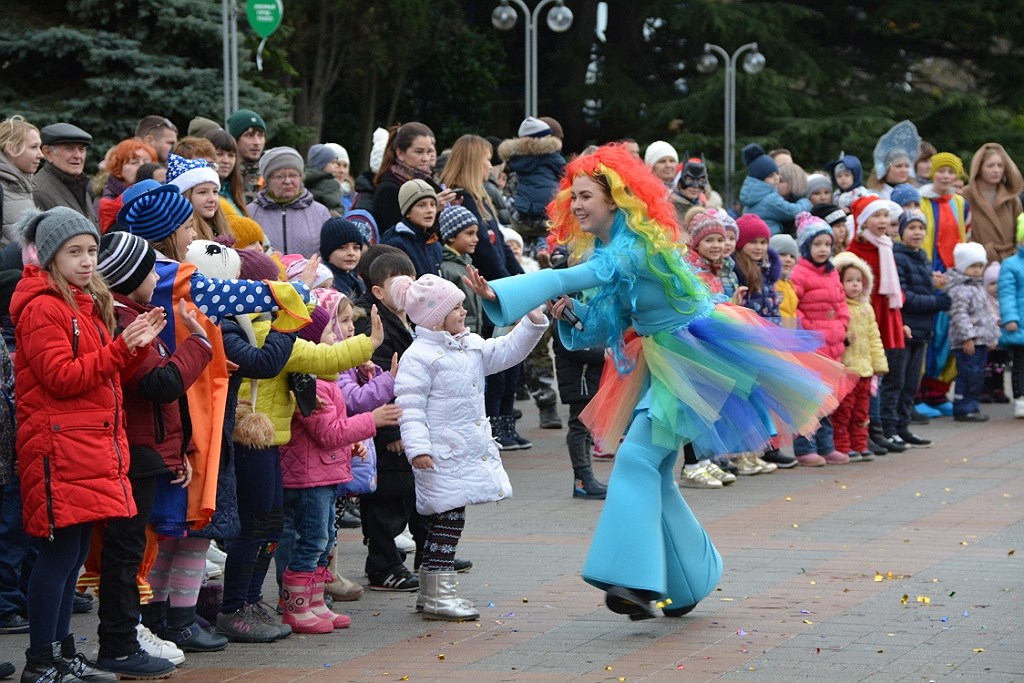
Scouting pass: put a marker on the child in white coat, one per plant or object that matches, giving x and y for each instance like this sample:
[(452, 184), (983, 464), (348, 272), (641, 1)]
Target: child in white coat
[(445, 430)]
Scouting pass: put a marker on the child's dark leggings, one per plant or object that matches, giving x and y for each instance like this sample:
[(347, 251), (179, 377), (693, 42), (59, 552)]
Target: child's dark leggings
[(1017, 371), (51, 588), (445, 532)]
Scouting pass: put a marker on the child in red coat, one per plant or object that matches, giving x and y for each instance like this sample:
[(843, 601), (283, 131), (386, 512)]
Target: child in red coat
[(872, 244), (72, 447), (821, 306)]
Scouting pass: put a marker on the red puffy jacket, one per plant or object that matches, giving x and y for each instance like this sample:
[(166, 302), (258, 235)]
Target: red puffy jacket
[(72, 450), (821, 305)]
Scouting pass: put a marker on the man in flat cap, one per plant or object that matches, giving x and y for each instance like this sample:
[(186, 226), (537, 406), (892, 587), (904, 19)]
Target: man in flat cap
[(62, 181)]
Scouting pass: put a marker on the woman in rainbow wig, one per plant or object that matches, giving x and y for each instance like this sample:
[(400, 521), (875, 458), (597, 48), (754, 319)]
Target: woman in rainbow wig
[(713, 378)]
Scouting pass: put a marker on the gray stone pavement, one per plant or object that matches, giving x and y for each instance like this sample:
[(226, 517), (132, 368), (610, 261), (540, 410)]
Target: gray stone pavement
[(817, 564)]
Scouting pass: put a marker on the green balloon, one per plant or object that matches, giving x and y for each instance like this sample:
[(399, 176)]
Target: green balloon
[(264, 15)]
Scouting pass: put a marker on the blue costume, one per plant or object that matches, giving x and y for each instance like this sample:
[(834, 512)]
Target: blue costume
[(710, 376)]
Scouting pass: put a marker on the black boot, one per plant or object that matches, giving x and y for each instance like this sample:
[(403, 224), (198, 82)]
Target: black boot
[(587, 486), (549, 416), (510, 430), (501, 435), (630, 601), (154, 615), (875, 439), (183, 631), (78, 667), (45, 666)]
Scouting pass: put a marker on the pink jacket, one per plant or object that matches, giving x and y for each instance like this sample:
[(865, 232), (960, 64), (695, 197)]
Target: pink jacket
[(320, 450), (821, 305)]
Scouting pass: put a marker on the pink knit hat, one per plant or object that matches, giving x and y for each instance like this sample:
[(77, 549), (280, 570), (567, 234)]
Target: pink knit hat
[(751, 227), (427, 300), (704, 225)]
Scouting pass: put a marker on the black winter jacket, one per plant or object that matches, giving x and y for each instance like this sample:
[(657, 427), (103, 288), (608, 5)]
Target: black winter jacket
[(922, 301)]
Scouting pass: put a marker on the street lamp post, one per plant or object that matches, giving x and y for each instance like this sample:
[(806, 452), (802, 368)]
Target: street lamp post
[(752, 64), (559, 19)]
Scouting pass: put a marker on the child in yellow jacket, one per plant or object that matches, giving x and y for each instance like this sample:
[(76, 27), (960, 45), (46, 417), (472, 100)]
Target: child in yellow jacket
[(786, 246), (864, 355)]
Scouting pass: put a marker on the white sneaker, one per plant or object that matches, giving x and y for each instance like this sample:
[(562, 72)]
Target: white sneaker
[(1018, 407), (699, 477), (216, 555), (158, 647), (213, 571), (404, 541)]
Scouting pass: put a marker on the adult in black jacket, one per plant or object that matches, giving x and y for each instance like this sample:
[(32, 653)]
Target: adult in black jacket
[(579, 374)]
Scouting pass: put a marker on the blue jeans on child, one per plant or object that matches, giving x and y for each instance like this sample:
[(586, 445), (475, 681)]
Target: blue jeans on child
[(970, 380), (18, 554), (308, 534), (820, 442)]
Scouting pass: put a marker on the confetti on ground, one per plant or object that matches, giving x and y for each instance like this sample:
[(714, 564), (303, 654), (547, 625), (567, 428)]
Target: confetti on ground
[(889, 575), (843, 487), (796, 526), (804, 611), (525, 600), (917, 495), (878, 577), (1013, 551), (814, 583), (817, 650), (924, 599), (441, 657), (964, 614), (808, 621), (490, 605), (726, 599), (904, 599), (952, 594), (680, 666), (963, 542), (607, 668), (740, 632), (979, 649), (789, 498)]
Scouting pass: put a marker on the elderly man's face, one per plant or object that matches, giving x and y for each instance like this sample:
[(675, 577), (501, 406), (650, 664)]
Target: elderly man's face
[(67, 156)]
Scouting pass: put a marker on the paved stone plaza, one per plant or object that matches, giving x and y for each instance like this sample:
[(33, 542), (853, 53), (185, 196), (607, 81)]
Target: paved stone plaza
[(908, 568)]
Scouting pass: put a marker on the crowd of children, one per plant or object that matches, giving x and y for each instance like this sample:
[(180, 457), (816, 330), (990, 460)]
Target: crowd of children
[(238, 393)]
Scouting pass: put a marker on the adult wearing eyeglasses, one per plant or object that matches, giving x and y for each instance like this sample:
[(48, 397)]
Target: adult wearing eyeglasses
[(62, 181), (159, 133), (290, 217)]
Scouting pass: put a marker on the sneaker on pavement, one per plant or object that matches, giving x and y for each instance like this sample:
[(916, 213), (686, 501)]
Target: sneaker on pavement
[(919, 418), (866, 456), (213, 571), (83, 603), (777, 457), (400, 580), (764, 466), (745, 465), (698, 478), (158, 647), (811, 460), (893, 444), (914, 440), (971, 417), (1018, 407), (404, 541), (14, 624), (216, 555), (245, 626), (724, 476), (853, 456), (137, 666), (836, 458)]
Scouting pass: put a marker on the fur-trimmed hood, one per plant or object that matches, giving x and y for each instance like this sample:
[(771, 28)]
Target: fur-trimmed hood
[(845, 259), (529, 147)]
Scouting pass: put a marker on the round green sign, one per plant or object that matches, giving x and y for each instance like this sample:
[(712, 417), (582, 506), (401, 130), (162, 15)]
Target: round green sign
[(264, 15)]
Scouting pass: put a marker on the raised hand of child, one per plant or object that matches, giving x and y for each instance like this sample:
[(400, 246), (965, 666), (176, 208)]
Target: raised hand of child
[(144, 329), (475, 281), (537, 316), (423, 462), (308, 276), (394, 365), (387, 416), (376, 327), (190, 318)]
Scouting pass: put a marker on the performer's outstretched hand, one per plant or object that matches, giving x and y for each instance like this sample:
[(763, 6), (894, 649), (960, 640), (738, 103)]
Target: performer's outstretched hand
[(475, 281)]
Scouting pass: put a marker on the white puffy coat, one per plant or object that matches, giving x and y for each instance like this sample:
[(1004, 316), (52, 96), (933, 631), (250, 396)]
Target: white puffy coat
[(440, 388)]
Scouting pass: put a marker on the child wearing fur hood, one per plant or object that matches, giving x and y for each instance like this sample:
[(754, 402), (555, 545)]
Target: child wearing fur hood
[(535, 157)]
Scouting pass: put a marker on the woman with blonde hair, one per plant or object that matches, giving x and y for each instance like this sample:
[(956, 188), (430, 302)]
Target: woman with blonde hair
[(21, 152), (993, 194)]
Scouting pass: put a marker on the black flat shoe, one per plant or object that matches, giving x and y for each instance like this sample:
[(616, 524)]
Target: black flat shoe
[(676, 612), (630, 601)]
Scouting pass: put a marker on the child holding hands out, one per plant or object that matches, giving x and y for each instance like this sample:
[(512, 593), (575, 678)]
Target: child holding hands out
[(445, 430)]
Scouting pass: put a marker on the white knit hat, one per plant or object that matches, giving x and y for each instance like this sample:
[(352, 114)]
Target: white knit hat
[(967, 254), (659, 149)]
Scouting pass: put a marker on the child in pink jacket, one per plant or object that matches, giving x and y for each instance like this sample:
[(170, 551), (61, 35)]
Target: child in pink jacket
[(313, 463), (821, 306)]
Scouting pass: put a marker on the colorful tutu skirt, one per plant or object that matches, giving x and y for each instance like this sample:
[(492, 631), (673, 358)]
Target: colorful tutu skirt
[(726, 383)]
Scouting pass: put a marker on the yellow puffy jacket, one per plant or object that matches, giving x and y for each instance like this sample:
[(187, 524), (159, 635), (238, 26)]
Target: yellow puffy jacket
[(864, 355), (273, 397)]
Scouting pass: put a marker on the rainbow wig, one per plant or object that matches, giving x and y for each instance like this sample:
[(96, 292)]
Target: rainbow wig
[(645, 223)]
